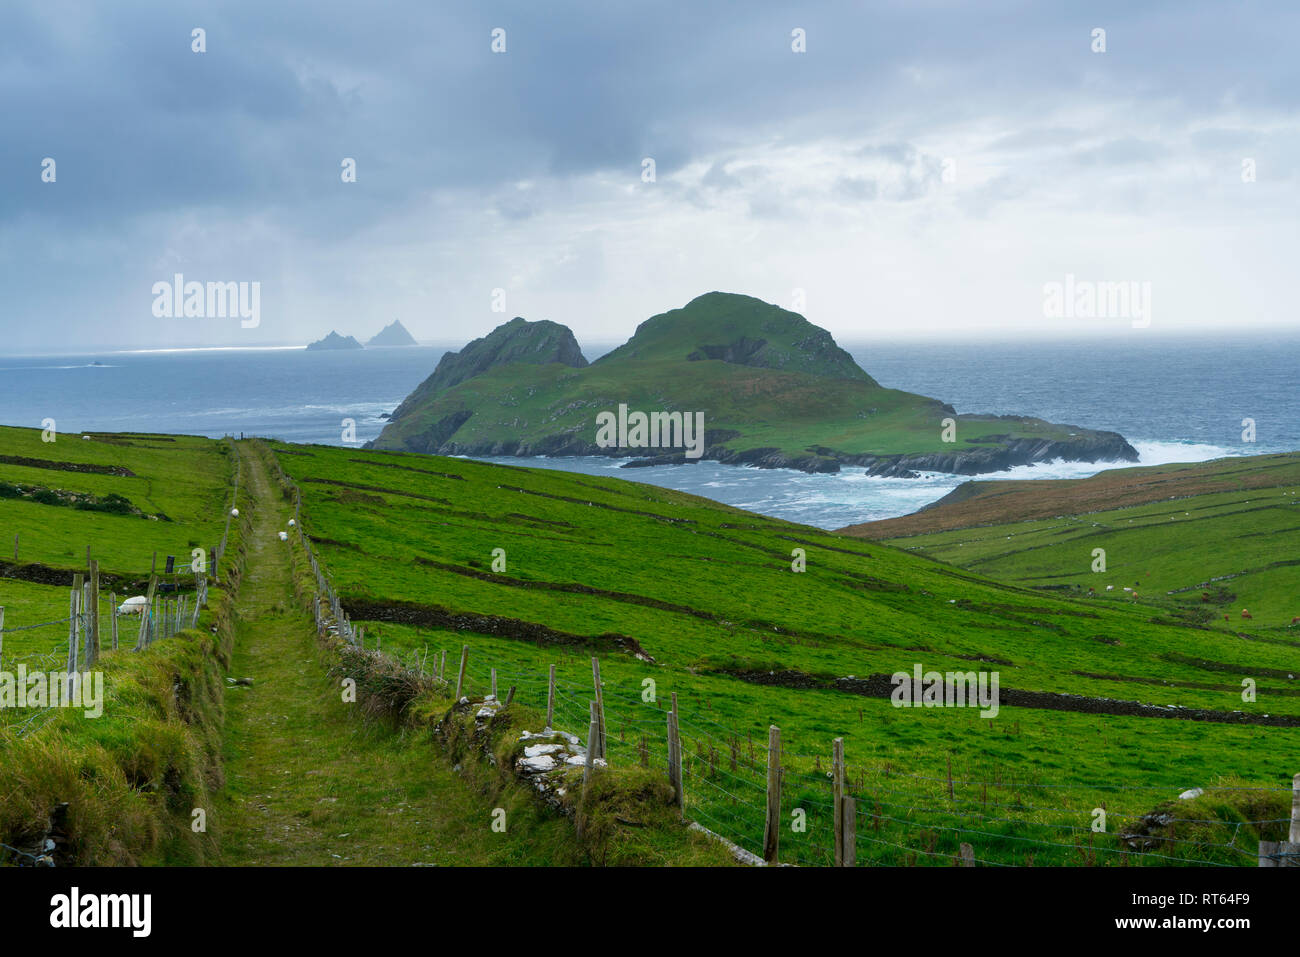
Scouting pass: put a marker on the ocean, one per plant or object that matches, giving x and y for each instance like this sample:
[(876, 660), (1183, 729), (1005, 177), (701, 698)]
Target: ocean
[(1175, 400)]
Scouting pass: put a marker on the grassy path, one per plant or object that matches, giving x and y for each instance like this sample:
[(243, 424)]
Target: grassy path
[(308, 780)]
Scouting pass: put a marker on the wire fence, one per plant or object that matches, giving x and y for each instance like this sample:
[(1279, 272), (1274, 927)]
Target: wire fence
[(43, 682)]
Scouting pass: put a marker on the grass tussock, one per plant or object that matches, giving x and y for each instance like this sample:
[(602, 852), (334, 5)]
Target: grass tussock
[(131, 778), (121, 789), (384, 688), (1230, 810)]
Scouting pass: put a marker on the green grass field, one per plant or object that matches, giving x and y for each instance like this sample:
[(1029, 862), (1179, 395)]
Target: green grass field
[(708, 592), (1200, 537), (677, 594), (180, 483), (164, 494)]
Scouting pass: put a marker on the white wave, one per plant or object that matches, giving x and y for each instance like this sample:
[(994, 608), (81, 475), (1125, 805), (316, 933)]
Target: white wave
[(849, 496), (1165, 453)]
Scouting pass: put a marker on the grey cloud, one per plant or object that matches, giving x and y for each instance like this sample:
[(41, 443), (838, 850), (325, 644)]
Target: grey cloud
[(247, 138)]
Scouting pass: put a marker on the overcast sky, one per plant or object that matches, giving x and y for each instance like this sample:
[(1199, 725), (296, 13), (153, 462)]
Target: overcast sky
[(924, 168)]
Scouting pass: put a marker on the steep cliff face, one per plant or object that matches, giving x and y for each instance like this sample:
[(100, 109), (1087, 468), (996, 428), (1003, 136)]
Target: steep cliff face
[(534, 343)]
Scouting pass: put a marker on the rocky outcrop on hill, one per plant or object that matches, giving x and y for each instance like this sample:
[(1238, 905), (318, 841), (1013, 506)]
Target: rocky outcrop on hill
[(519, 340)]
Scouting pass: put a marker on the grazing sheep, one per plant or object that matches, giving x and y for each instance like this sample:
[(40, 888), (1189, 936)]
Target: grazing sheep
[(1110, 588), (292, 523), (1246, 614), (133, 606), (284, 536), (235, 512)]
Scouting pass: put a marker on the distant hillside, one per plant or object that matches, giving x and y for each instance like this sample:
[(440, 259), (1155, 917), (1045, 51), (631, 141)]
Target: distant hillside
[(984, 503), (393, 334), (590, 566), (514, 343), (1204, 540), (773, 389), (334, 341)]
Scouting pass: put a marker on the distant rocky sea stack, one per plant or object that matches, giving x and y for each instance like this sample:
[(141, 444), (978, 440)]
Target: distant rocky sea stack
[(334, 341), (393, 334)]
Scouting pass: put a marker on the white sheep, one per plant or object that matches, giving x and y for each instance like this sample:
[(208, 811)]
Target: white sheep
[(284, 536), (292, 523), (235, 512), (133, 606)]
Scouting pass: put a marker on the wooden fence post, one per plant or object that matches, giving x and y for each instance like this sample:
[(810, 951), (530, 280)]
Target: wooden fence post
[(494, 682), (92, 644), (592, 731), (74, 613), (967, 854), (460, 677), (550, 698), (600, 707), (85, 622), (510, 695), (2, 635), (837, 797), (112, 602), (848, 821), (1294, 836), (143, 639), (675, 759), (772, 817)]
